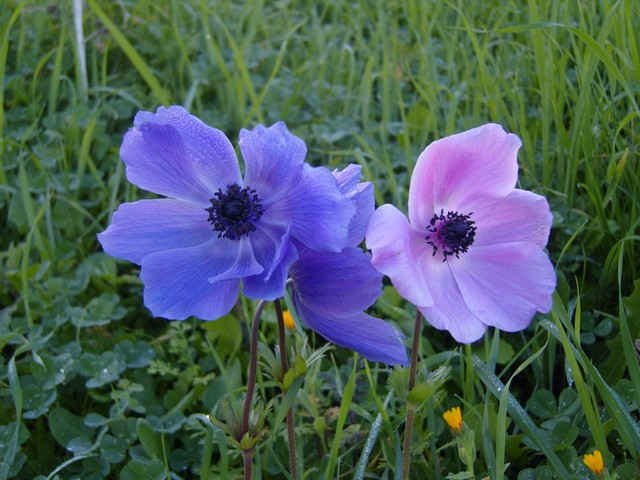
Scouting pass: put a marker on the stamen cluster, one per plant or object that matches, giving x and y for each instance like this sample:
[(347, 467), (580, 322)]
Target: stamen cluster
[(452, 233), (233, 213)]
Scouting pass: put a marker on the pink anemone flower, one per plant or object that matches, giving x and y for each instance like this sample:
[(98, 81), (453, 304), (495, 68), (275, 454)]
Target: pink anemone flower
[(471, 254)]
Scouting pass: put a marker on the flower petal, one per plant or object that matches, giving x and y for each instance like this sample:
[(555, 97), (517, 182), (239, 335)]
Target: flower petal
[(173, 153), (400, 253), (140, 228), (361, 194), (504, 284), (336, 284), (371, 337), (276, 254), (348, 177), (176, 282), (480, 161), (273, 160), (449, 311), (521, 216), (270, 287), (244, 265), (270, 243), (318, 213)]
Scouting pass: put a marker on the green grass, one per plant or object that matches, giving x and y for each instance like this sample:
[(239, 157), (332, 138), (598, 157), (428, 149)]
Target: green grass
[(103, 390)]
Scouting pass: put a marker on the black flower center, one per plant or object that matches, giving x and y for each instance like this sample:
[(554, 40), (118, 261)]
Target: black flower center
[(233, 213), (452, 233)]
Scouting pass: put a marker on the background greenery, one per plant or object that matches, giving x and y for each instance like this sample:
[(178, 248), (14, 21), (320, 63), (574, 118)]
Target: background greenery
[(91, 386)]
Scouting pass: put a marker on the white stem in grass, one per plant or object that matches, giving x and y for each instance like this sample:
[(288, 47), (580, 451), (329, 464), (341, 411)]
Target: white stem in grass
[(82, 57)]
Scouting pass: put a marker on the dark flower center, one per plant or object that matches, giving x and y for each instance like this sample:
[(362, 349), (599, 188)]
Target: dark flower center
[(452, 233), (233, 213)]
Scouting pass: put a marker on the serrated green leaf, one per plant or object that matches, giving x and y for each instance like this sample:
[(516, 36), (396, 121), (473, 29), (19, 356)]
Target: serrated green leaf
[(298, 369), (419, 393)]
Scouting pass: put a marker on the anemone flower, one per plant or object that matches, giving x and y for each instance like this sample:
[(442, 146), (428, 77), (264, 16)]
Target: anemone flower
[(471, 253), (331, 290), (217, 229)]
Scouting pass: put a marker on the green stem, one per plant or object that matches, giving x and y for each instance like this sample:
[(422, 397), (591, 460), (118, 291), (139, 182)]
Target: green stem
[(291, 426), (411, 409)]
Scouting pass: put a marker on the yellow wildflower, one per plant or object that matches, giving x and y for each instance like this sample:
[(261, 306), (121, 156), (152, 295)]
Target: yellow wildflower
[(287, 318), (453, 417), (594, 462)]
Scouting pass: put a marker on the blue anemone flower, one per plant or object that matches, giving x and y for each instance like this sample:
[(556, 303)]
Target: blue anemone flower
[(331, 290), (217, 229)]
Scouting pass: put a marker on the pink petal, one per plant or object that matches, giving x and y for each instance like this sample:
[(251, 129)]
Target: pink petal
[(504, 284), (480, 161), (399, 252), (521, 216), (449, 311)]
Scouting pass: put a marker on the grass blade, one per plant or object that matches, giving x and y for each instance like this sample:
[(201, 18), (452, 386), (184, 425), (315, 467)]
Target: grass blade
[(4, 48), (584, 392), (371, 441), (16, 394), (520, 417), (134, 57), (347, 397), (501, 422), (627, 427)]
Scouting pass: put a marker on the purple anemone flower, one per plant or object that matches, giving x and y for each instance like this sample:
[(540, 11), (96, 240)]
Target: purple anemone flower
[(471, 253), (331, 290), (217, 228)]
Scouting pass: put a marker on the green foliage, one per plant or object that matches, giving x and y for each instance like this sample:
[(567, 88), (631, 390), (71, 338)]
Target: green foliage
[(93, 387)]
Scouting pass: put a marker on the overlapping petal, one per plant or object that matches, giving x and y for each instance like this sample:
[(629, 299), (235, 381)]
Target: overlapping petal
[(276, 253), (244, 263), (503, 283), (331, 290), (274, 158), (361, 194), (147, 226), (400, 253), (348, 178), (521, 216), (336, 284), (449, 310), (272, 286), (373, 338), (172, 153), (478, 162), (176, 282), (317, 212)]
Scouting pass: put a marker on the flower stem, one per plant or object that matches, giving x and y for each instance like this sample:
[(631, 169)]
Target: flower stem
[(247, 460), (247, 455), (291, 426), (411, 409)]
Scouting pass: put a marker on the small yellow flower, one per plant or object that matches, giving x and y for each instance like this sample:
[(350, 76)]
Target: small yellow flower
[(594, 462), (453, 417), (287, 318)]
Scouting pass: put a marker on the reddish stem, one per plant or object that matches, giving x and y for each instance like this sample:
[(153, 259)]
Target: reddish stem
[(284, 361), (411, 409)]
